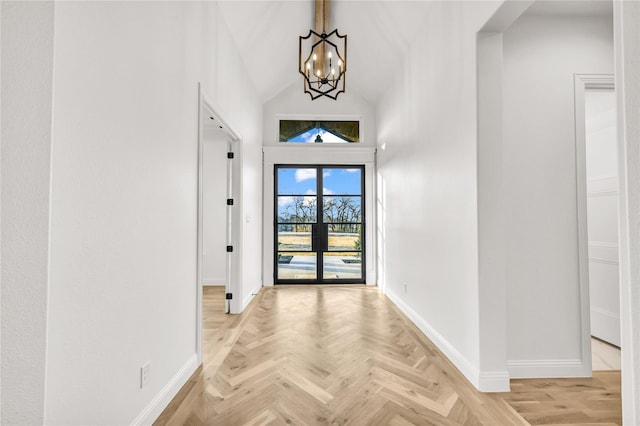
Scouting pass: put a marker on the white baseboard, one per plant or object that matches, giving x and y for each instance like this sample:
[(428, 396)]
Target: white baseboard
[(152, 411), (493, 381), (371, 278), (249, 297), (544, 368)]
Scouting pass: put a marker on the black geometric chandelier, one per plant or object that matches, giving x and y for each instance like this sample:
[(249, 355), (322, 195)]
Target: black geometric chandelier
[(322, 57)]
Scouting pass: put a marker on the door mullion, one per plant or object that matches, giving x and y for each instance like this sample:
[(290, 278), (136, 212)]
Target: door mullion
[(322, 238)]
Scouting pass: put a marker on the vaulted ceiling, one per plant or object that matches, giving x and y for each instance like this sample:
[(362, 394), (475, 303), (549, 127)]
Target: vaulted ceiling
[(379, 33)]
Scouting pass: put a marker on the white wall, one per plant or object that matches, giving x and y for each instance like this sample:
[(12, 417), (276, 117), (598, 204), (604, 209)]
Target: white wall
[(491, 256), (251, 213), (627, 52), (27, 70), (541, 55), (293, 101), (427, 182), (0, 216), (235, 99), (122, 247), (214, 187)]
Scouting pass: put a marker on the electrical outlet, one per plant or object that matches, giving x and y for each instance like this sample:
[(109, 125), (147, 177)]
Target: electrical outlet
[(406, 288), (144, 374)]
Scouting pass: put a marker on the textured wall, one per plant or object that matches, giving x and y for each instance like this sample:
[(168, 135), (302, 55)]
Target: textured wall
[(27, 67)]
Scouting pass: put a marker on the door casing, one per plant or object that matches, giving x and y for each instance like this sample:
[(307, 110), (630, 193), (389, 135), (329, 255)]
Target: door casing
[(207, 111)]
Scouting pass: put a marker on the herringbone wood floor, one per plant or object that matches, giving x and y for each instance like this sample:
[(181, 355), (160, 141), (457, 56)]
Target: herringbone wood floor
[(345, 355)]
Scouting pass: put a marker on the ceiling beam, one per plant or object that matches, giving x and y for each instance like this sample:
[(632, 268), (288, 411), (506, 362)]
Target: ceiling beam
[(322, 16), (322, 27)]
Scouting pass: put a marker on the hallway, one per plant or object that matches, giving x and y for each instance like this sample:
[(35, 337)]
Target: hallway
[(468, 134), (347, 356)]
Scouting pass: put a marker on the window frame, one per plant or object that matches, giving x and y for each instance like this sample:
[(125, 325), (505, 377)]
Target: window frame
[(317, 117)]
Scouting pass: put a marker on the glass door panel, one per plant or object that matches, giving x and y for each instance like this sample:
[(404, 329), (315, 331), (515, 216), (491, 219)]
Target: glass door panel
[(297, 265), (297, 181), (337, 209), (294, 237), (342, 266), (344, 237), (342, 180), (342, 217), (297, 209), (319, 224)]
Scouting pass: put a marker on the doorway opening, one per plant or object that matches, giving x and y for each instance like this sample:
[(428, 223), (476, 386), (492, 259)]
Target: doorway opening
[(319, 227), (217, 223), (217, 214), (598, 214)]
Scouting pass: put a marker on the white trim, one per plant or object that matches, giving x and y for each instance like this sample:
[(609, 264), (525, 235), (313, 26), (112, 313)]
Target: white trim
[(603, 244), (599, 127), (597, 81), (249, 297), (594, 194), (199, 225), (604, 312), (234, 213), (153, 410), (626, 27), (602, 186), (544, 368), (318, 154), (604, 180), (494, 381), (582, 83), (490, 381), (602, 260), (490, 202), (605, 252)]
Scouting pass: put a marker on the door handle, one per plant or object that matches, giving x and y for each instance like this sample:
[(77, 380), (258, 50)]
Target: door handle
[(325, 237), (314, 237)]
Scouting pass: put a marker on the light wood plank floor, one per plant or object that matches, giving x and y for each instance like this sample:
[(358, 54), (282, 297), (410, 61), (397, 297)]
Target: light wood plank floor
[(345, 355)]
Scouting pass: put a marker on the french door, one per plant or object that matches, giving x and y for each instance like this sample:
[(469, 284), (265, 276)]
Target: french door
[(319, 226)]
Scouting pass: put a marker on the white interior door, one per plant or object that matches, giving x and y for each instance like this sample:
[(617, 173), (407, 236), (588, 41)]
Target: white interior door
[(602, 214), (214, 198)]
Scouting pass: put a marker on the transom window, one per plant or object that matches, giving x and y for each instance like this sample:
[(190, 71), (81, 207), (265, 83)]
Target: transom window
[(319, 131)]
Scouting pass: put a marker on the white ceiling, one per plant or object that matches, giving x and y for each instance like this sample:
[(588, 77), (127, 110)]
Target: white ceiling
[(379, 32), (571, 8)]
